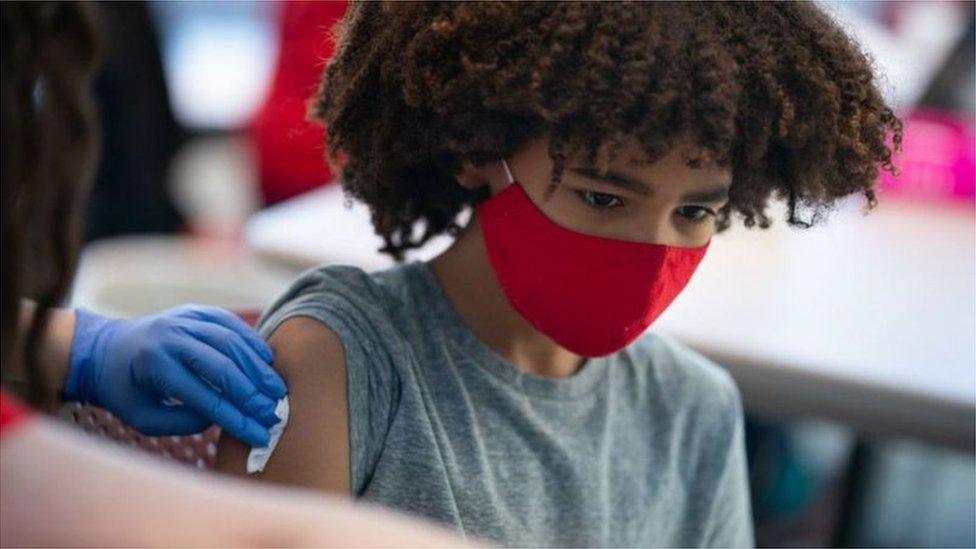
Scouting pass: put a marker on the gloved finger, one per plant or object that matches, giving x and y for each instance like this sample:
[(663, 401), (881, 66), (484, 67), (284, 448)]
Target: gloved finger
[(229, 343), (171, 420), (223, 374), (270, 380), (195, 394), (233, 323)]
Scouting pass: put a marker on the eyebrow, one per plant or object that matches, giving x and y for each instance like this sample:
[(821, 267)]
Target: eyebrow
[(613, 178), (714, 194)]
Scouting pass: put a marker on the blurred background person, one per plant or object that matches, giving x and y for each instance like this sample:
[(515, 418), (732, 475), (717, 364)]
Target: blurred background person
[(140, 135), (291, 150)]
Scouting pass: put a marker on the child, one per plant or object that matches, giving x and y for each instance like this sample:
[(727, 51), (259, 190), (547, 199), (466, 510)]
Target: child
[(508, 388)]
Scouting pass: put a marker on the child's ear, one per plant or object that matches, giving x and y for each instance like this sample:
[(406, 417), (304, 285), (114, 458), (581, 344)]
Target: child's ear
[(472, 177), (490, 174)]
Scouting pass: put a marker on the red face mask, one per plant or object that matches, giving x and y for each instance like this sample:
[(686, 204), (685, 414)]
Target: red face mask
[(591, 295)]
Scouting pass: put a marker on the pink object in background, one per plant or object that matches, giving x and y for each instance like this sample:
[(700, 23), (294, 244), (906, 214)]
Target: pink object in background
[(938, 159)]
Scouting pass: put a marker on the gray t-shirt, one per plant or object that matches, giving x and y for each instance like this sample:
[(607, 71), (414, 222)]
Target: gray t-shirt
[(641, 448)]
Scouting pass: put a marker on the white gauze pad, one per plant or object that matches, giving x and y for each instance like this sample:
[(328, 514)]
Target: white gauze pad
[(258, 457)]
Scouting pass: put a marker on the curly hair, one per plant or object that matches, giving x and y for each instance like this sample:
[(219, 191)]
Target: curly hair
[(49, 55), (775, 91)]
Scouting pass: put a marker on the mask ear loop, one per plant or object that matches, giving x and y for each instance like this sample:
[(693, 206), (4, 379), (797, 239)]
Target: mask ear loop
[(508, 172)]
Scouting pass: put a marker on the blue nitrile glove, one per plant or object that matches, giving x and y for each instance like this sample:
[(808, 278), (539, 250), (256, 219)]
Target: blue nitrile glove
[(205, 358)]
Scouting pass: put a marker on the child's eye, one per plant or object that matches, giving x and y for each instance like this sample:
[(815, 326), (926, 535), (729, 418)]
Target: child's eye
[(695, 214), (600, 201)]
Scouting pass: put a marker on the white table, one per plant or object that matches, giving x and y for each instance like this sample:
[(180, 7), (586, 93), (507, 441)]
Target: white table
[(868, 320), (321, 227), (142, 274)]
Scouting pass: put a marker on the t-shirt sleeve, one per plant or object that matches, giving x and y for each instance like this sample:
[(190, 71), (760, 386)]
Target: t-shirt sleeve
[(347, 301), (729, 521)]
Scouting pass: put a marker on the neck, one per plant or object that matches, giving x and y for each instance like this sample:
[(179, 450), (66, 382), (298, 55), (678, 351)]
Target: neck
[(468, 279)]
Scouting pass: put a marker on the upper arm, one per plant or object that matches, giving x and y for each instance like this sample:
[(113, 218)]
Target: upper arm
[(314, 449)]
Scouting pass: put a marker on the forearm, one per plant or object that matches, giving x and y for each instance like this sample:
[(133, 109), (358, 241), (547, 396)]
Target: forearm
[(63, 488), (53, 354)]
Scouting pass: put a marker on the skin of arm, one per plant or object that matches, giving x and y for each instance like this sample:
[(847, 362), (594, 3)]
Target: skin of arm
[(314, 449), (53, 356), (62, 488)]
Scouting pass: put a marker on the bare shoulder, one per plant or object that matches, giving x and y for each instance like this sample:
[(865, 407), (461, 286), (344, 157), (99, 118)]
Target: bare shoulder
[(314, 449)]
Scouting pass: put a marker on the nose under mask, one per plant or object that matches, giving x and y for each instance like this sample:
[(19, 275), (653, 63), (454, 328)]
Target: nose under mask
[(591, 295)]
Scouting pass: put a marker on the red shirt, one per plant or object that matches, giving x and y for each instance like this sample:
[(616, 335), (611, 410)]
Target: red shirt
[(291, 150), (12, 412)]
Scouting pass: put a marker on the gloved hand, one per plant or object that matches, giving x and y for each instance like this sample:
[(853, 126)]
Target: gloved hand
[(207, 359)]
